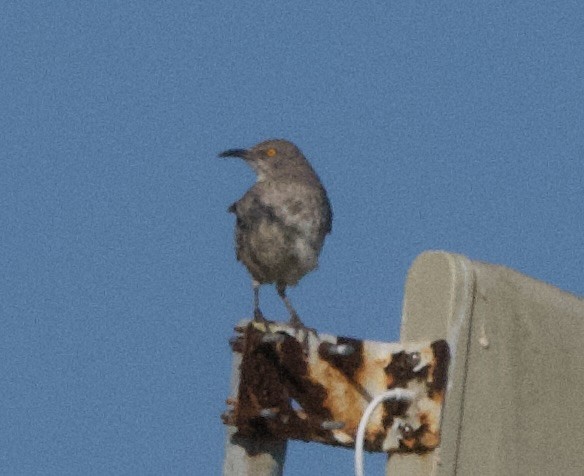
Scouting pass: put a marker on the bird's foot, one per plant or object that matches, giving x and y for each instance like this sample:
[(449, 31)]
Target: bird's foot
[(298, 326), (259, 317), (269, 337)]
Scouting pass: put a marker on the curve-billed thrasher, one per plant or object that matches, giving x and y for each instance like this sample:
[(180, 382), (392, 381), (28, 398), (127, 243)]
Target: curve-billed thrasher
[(281, 221)]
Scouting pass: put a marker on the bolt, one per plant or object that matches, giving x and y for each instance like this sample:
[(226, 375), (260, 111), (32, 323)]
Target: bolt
[(342, 350), (415, 358), (406, 430), (332, 425), (269, 413), (273, 338)]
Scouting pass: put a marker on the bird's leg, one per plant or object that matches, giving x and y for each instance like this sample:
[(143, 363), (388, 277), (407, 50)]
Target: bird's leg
[(295, 321), (257, 313)]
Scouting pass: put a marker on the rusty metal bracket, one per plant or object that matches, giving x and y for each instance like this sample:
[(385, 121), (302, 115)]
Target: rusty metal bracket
[(297, 384)]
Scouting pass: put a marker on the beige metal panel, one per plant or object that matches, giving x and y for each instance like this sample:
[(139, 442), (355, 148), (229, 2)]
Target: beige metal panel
[(523, 405), (438, 305), (514, 402)]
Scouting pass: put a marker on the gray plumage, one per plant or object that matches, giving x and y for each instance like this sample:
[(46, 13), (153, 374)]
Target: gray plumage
[(282, 220)]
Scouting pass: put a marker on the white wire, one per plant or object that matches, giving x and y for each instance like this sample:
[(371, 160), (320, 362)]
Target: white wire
[(393, 394)]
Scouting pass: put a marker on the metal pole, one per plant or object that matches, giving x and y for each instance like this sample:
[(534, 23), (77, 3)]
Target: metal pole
[(246, 456)]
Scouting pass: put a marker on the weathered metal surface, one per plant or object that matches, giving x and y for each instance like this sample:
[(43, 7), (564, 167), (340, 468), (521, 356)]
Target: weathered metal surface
[(316, 387)]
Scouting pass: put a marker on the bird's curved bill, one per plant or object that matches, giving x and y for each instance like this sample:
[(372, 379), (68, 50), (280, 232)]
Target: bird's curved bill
[(234, 153)]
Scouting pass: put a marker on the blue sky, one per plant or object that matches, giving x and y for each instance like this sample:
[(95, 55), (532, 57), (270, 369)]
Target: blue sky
[(454, 125)]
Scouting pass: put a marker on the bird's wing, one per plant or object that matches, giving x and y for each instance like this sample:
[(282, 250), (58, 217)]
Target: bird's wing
[(250, 212), (239, 227)]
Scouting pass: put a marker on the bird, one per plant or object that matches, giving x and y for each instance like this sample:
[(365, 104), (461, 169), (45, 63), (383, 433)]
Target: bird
[(281, 221)]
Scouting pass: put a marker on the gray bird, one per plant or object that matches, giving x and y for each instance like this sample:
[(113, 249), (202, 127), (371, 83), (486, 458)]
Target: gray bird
[(282, 219)]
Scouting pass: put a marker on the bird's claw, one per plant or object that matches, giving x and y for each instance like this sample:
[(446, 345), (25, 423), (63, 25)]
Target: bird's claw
[(259, 317), (298, 326)]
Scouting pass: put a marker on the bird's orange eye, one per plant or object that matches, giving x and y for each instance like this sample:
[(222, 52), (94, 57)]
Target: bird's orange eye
[(271, 152)]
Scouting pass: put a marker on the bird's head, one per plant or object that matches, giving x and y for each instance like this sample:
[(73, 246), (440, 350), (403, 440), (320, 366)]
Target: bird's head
[(272, 159)]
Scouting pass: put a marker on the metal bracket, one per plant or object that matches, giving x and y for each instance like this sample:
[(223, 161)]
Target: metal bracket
[(297, 384)]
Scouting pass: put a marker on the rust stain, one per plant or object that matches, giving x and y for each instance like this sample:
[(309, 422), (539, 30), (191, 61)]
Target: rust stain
[(347, 365), (440, 373), (296, 389)]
